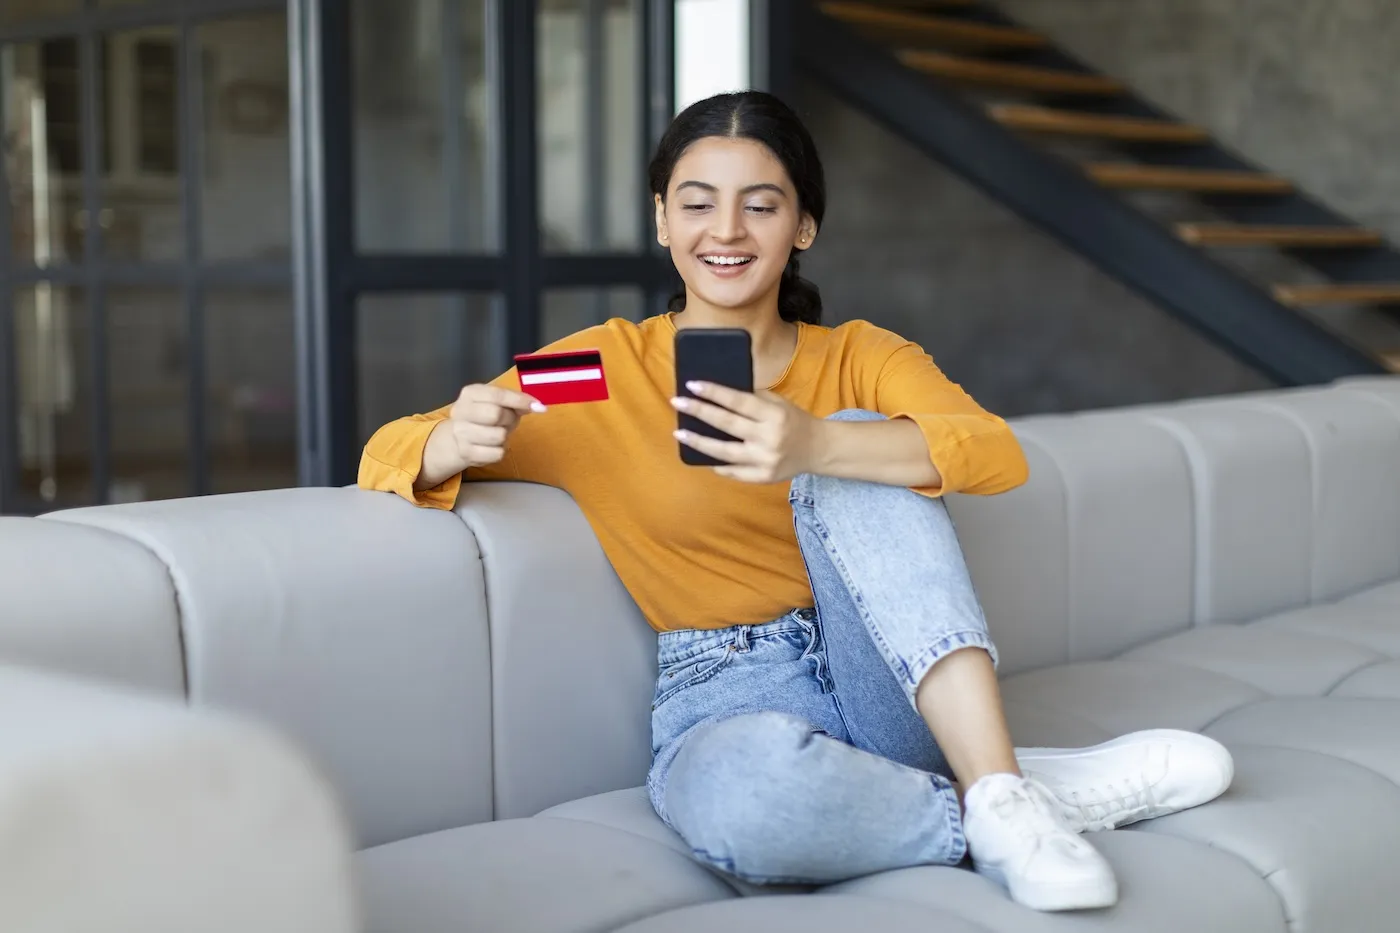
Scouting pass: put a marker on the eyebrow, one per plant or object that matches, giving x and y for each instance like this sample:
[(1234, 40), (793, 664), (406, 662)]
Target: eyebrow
[(748, 189)]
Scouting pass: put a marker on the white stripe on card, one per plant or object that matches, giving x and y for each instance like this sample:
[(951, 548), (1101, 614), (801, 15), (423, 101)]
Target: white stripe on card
[(563, 375)]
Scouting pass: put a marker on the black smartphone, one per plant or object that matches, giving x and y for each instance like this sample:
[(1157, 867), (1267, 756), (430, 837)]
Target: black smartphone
[(722, 355)]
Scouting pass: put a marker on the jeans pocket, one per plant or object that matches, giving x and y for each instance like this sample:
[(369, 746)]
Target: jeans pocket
[(688, 672)]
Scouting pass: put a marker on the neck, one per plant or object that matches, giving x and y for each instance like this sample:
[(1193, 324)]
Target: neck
[(772, 336)]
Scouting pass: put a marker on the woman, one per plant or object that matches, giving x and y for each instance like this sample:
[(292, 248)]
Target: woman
[(827, 704)]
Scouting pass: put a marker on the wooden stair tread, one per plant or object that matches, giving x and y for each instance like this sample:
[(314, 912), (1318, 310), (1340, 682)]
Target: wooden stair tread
[(1361, 293), (1001, 74), (1180, 178), (1102, 126), (926, 4), (914, 24), (1266, 235)]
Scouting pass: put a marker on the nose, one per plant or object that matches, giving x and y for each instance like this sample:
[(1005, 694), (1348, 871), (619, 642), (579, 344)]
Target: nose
[(728, 223)]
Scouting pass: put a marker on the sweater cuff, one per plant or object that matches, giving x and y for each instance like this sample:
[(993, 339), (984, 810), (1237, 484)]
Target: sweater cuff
[(944, 449), (396, 469)]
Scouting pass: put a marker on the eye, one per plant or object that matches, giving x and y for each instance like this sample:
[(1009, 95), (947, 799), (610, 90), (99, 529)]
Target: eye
[(695, 208), (760, 209)]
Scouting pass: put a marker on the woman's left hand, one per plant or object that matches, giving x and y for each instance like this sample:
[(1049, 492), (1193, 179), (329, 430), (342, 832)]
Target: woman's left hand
[(776, 439)]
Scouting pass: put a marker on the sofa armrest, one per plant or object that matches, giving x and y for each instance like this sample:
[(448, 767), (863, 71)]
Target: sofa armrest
[(85, 602), (351, 620), (130, 814), (573, 662)]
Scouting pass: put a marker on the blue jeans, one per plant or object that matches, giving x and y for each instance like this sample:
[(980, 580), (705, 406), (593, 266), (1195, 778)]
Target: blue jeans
[(791, 752)]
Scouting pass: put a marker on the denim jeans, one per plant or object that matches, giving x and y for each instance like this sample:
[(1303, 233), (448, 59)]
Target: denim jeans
[(791, 751)]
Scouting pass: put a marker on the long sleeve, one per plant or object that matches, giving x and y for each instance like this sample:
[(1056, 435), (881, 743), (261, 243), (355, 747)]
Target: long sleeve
[(391, 460), (393, 457), (974, 450)]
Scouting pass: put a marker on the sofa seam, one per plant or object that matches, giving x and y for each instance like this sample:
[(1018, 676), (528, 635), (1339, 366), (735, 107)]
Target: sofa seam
[(181, 602)]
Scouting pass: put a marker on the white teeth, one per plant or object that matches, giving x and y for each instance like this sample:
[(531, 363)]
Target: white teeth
[(726, 260)]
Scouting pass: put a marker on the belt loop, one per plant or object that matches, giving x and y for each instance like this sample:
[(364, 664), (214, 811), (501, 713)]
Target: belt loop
[(741, 638)]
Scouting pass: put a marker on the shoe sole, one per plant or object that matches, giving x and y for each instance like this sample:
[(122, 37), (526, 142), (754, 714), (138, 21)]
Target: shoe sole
[(1224, 777), (1056, 897)]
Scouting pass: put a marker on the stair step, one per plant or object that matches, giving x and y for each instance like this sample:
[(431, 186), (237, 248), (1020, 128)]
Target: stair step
[(913, 25), (1177, 178), (1101, 126), (1348, 293), (927, 4), (1000, 74), (1264, 235)]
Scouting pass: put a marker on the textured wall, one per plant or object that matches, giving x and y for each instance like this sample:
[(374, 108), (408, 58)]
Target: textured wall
[(1301, 86)]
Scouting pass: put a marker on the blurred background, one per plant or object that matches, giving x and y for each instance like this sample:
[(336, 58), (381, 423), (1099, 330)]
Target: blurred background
[(238, 235)]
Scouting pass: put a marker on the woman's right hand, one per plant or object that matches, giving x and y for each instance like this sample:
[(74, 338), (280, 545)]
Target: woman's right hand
[(474, 433), (483, 417)]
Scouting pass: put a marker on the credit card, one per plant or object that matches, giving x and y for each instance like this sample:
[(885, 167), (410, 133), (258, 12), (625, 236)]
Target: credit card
[(560, 378)]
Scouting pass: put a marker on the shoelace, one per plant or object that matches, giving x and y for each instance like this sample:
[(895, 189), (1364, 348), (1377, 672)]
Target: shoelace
[(1027, 810), (1111, 807)]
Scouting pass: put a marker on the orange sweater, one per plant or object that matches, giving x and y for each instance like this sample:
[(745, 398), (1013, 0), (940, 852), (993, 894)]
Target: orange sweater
[(694, 549)]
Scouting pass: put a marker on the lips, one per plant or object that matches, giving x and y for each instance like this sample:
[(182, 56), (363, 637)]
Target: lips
[(727, 266)]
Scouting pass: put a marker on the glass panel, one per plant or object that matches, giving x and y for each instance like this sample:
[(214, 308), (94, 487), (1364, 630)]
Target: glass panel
[(423, 150), (43, 150), (250, 400), (712, 48), (245, 184), (592, 190), (148, 393), (19, 11), (569, 310), (140, 209), (53, 394), (414, 352)]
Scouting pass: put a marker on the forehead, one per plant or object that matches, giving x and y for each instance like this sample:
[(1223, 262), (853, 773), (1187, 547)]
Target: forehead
[(724, 162)]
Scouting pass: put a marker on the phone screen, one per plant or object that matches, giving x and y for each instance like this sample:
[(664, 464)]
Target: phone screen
[(721, 355)]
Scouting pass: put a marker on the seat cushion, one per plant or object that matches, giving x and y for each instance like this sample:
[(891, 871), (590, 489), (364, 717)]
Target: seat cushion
[(1273, 659), (1166, 885), (533, 875), (1122, 696), (810, 914), (1321, 831)]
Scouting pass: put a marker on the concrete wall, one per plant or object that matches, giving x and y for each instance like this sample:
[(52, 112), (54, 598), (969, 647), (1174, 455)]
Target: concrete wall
[(1300, 86)]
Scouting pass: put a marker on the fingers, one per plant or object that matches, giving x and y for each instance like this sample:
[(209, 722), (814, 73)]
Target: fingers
[(728, 451), (501, 397), (727, 421), (488, 414), (745, 403)]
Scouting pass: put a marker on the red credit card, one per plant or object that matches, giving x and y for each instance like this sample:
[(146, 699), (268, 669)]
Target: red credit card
[(557, 378)]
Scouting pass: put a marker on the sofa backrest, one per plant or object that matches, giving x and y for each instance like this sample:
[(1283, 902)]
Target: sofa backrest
[(1140, 522)]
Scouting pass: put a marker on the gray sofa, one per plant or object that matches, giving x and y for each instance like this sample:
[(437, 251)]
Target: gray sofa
[(475, 685)]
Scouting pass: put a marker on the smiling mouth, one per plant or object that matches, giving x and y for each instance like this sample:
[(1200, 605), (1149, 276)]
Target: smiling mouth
[(727, 261)]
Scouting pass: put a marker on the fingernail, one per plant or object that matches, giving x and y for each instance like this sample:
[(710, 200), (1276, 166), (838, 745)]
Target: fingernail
[(536, 406), (678, 435), (694, 386), (680, 402)]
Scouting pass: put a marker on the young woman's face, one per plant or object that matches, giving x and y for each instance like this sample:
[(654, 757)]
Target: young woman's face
[(730, 219)]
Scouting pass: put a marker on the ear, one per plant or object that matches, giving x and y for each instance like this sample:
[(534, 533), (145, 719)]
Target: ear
[(662, 236), (806, 233)]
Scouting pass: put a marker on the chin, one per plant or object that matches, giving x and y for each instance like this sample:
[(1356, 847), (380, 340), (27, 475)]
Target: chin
[(735, 300)]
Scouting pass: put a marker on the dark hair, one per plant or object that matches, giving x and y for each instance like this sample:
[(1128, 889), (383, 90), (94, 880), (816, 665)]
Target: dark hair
[(766, 119)]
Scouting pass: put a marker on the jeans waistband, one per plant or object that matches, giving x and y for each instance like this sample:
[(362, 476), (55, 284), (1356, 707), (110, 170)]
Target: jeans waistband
[(679, 645)]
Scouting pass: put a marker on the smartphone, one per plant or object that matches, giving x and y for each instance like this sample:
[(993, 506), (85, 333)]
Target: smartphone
[(721, 355)]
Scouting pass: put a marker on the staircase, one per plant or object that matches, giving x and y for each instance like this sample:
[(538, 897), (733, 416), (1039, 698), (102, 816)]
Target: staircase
[(999, 103)]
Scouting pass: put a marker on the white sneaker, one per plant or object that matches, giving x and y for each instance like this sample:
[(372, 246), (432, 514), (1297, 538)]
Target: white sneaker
[(1139, 776), (1016, 838)]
